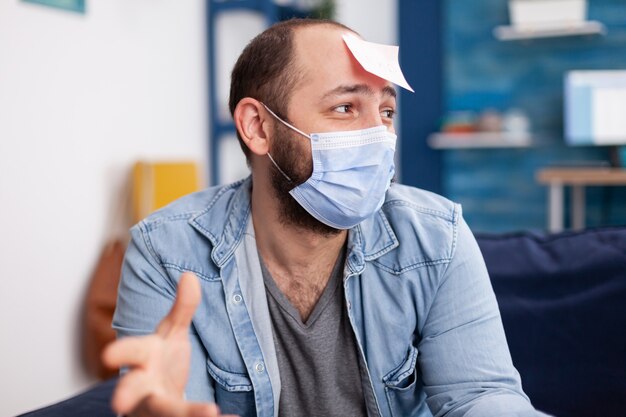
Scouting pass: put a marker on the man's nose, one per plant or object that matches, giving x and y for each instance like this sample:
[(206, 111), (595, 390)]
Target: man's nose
[(372, 118)]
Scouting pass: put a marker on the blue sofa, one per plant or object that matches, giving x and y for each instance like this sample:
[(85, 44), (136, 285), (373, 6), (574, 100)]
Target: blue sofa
[(563, 304)]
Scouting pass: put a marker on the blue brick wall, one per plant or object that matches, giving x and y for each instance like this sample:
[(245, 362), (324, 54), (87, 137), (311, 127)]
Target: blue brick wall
[(497, 186)]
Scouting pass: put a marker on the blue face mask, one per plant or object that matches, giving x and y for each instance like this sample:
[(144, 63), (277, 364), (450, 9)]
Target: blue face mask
[(352, 171)]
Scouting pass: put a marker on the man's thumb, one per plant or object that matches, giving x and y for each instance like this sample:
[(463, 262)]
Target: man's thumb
[(188, 296)]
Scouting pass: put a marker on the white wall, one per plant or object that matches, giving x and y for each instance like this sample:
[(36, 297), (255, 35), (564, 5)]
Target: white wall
[(374, 20), (81, 98)]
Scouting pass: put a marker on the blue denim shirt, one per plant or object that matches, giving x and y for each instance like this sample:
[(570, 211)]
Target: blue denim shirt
[(417, 292)]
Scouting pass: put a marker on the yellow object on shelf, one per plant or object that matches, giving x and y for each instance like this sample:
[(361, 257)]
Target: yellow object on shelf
[(156, 184)]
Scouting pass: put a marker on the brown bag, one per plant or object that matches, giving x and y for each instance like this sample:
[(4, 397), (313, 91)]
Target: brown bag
[(100, 306)]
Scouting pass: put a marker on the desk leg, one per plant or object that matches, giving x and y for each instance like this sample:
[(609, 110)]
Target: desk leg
[(555, 207), (578, 207)]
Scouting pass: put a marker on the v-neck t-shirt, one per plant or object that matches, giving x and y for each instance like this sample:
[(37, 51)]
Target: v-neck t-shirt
[(318, 361)]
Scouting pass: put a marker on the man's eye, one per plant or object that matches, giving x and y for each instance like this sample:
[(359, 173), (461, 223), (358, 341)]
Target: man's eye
[(388, 113), (344, 108)]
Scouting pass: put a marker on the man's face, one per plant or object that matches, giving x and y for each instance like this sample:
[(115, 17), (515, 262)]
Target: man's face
[(334, 94)]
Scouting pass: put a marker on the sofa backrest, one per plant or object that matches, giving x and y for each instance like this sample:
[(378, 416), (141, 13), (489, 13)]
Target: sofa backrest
[(563, 303)]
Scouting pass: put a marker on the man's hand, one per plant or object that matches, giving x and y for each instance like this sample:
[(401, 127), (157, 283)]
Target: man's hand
[(159, 363)]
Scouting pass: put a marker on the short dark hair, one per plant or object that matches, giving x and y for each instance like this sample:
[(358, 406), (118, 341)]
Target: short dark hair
[(266, 71)]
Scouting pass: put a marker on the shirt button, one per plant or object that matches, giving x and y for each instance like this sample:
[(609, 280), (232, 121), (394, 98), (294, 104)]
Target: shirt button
[(237, 298), (349, 305), (259, 367)]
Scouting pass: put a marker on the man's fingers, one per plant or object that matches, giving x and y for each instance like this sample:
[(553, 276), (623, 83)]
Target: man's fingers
[(188, 297), (128, 351), (130, 391)]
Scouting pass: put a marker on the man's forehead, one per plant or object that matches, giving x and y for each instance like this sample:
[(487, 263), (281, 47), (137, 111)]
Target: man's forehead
[(323, 58), (318, 41), (324, 50)]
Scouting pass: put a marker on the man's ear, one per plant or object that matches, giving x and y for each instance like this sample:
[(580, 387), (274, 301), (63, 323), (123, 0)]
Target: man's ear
[(253, 125)]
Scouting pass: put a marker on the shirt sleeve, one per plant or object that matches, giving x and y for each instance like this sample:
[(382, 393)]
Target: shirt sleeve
[(145, 295), (464, 358)]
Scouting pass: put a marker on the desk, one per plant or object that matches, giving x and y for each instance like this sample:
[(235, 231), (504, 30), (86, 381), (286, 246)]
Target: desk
[(578, 179)]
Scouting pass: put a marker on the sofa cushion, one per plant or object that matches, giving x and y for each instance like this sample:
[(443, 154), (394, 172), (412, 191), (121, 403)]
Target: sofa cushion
[(563, 304)]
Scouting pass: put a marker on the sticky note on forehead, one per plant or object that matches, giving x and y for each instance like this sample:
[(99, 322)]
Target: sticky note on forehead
[(378, 59)]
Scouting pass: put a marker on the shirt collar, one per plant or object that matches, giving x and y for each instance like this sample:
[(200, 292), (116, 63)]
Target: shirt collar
[(232, 203), (367, 241), (370, 239)]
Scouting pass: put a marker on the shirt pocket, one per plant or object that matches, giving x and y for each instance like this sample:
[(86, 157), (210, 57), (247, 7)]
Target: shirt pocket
[(233, 391), (403, 387)]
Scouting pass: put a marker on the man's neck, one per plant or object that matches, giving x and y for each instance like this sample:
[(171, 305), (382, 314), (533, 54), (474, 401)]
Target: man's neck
[(299, 260), (290, 246)]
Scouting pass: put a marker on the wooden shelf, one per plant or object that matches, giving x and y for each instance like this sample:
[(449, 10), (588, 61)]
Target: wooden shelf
[(480, 140), (582, 176), (510, 33)]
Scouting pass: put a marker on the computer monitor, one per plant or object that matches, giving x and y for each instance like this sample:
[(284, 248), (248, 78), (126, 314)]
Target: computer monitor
[(595, 107)]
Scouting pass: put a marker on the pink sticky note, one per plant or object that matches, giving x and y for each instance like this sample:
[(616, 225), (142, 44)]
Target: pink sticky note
[(378, 59)]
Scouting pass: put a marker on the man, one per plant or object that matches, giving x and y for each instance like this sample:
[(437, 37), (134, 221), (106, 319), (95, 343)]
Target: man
[(319, 289)]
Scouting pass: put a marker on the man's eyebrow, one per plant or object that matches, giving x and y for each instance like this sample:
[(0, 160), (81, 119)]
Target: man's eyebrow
[(389, 91), (358, 88)]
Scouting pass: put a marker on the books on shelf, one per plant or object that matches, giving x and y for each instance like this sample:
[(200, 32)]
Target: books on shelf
[(443, 140)]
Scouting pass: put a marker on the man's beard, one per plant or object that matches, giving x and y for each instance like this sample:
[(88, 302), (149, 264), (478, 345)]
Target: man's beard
[(289, 158)]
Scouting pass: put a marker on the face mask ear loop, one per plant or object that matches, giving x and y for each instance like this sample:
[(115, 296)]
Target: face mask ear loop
[(278, 168), (285, 123)]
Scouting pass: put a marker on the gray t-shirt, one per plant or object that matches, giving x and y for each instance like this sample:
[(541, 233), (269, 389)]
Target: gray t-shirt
[(320, 368)]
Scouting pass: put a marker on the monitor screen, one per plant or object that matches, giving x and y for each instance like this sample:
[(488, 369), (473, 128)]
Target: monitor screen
[(595, 107)]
